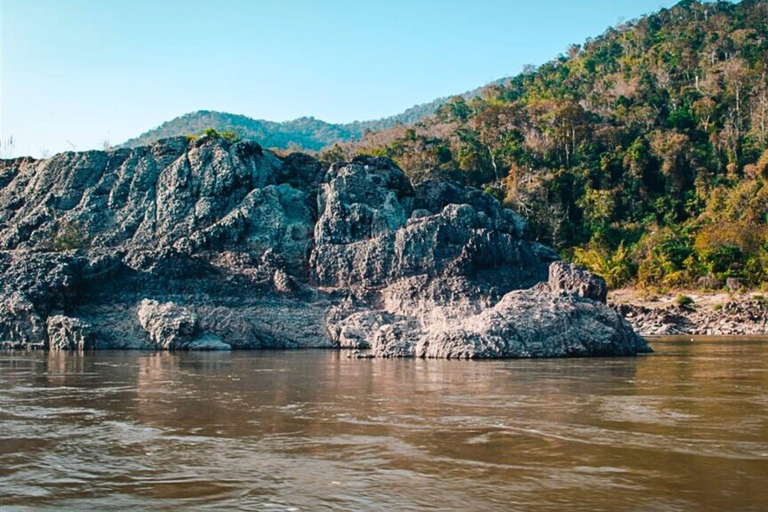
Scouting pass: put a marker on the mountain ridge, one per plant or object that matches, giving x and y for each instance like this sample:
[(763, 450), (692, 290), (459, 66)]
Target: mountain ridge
[(305, 133)]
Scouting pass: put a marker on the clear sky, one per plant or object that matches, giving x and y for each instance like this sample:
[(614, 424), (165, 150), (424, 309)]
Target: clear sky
[(78, 72)]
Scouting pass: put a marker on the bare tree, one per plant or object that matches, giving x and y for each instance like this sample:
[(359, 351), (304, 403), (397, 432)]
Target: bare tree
[(7, 147)]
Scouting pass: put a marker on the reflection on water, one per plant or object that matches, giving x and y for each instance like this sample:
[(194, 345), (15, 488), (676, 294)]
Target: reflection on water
[(683, 429)]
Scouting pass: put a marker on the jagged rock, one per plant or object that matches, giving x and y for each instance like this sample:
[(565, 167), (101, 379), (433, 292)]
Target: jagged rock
[(168, 325), (525, 323), (567, 277), (397, 339), (270, 252), (355, 329), (535, 324), (737, 317), (65, 333), (173, 327), (20, 323), (367, 235)]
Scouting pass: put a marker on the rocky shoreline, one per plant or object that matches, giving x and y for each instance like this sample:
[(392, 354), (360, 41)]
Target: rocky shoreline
[(734, 316), (209, 244)]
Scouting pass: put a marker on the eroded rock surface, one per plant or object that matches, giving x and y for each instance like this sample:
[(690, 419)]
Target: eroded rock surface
[(567, 277), (65, 333), (209, 244), (740, 316)]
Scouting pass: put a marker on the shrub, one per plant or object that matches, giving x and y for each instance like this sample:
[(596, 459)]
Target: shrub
[(665, 258), (69, 236), (762, 165), (228, 135), (615, 267), (684, 301)]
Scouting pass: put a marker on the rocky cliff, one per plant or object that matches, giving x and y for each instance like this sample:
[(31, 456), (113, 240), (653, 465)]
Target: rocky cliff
[(210, 244)]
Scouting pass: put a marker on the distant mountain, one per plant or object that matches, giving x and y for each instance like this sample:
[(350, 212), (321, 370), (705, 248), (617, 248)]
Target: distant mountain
[(305, 133)]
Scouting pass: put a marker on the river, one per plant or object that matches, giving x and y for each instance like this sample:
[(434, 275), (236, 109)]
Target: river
[(685, 428)]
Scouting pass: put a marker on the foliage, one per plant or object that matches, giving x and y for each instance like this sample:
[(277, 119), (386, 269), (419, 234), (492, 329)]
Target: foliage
[(228, 135), (69, 236), (684, 301), (643, 153), (615, 266)]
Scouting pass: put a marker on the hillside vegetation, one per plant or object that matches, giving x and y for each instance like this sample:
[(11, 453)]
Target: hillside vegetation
[(641, 153), (306, 133)]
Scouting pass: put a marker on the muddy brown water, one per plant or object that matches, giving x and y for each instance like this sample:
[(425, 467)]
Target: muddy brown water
[(683, 429)]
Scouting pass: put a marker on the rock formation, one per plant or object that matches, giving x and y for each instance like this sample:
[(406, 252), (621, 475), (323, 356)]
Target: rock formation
[(739, 316), (210, 244)]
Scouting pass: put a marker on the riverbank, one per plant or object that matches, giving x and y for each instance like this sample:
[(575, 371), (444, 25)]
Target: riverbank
[(693, 313)]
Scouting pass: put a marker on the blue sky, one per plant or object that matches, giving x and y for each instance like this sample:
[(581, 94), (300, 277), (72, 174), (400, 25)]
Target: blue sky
[(78, 72)]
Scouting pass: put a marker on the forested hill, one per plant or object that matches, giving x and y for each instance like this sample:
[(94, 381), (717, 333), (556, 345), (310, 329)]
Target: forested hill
[(641, 153), (305, 133)]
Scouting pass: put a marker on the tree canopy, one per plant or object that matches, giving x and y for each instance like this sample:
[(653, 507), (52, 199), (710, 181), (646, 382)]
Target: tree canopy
[(641, 153)]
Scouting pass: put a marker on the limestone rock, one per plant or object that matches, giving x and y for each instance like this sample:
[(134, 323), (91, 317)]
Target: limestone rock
[(173, 327), (567, 277), (20, 323), (240, 248), (65, 333), (168, 325), (524, 323), (739, 316), (528, 323), (367, 234)]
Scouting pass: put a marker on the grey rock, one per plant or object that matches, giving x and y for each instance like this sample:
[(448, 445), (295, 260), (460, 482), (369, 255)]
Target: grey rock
[(397, 339), (368, 236), (240, 248), (20, 323), (740, 316), (168, 325), (65, 333), (524, 323), (355, 328), (530, 323), (567, 277), (174, 327)]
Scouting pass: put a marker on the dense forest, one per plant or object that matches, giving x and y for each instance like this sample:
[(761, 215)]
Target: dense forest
[(641, 153)]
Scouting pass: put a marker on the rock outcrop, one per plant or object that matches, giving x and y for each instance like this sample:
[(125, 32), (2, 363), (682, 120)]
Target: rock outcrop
[(737, 317), (536, 322), (66, 333), (570, 278), (210, 244), (172, 327)]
